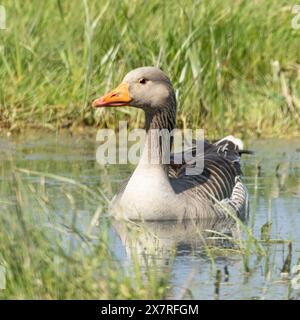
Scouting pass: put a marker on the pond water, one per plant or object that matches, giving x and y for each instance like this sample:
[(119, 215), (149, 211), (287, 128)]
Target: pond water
[(272, 176)]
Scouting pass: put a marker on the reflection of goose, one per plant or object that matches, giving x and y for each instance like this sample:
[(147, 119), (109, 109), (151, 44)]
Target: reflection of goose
[(159, 191), (188, 236)]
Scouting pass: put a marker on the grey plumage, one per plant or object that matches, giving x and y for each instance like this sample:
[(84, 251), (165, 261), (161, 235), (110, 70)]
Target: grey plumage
[(164, 191)]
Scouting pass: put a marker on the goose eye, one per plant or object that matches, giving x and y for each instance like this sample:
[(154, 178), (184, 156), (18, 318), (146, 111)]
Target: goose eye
[(142, 81)]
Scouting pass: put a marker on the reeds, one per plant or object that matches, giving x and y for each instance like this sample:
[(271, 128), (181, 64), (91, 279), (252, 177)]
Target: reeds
[(55, 243), (53, 252), (235, 67)]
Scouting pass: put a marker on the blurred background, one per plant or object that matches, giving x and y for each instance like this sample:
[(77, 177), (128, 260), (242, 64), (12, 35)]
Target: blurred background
[(235, 65)]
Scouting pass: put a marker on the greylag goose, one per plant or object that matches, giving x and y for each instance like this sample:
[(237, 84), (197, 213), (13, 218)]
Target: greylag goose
[(160, 191)]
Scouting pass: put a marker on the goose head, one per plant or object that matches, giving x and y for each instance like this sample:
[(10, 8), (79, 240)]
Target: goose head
[(147, 88)]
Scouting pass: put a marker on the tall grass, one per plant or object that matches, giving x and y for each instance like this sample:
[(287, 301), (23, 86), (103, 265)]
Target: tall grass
[(56, 241), (51, 251), (235, 65), (51, 255)]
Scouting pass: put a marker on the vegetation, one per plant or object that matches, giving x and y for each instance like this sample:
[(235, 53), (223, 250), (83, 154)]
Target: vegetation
[(235, 65), (56, 241), (48, 253)]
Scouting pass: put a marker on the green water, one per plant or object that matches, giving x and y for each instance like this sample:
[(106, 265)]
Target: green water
[(272, 176)]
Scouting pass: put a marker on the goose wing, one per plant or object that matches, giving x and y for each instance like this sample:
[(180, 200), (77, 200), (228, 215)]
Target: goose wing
[(220, 180)]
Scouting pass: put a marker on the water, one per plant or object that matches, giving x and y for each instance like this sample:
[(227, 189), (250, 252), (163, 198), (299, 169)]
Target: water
[(272, 176)]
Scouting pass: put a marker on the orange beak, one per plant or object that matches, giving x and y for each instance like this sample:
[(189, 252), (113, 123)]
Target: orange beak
[(116, 98)]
